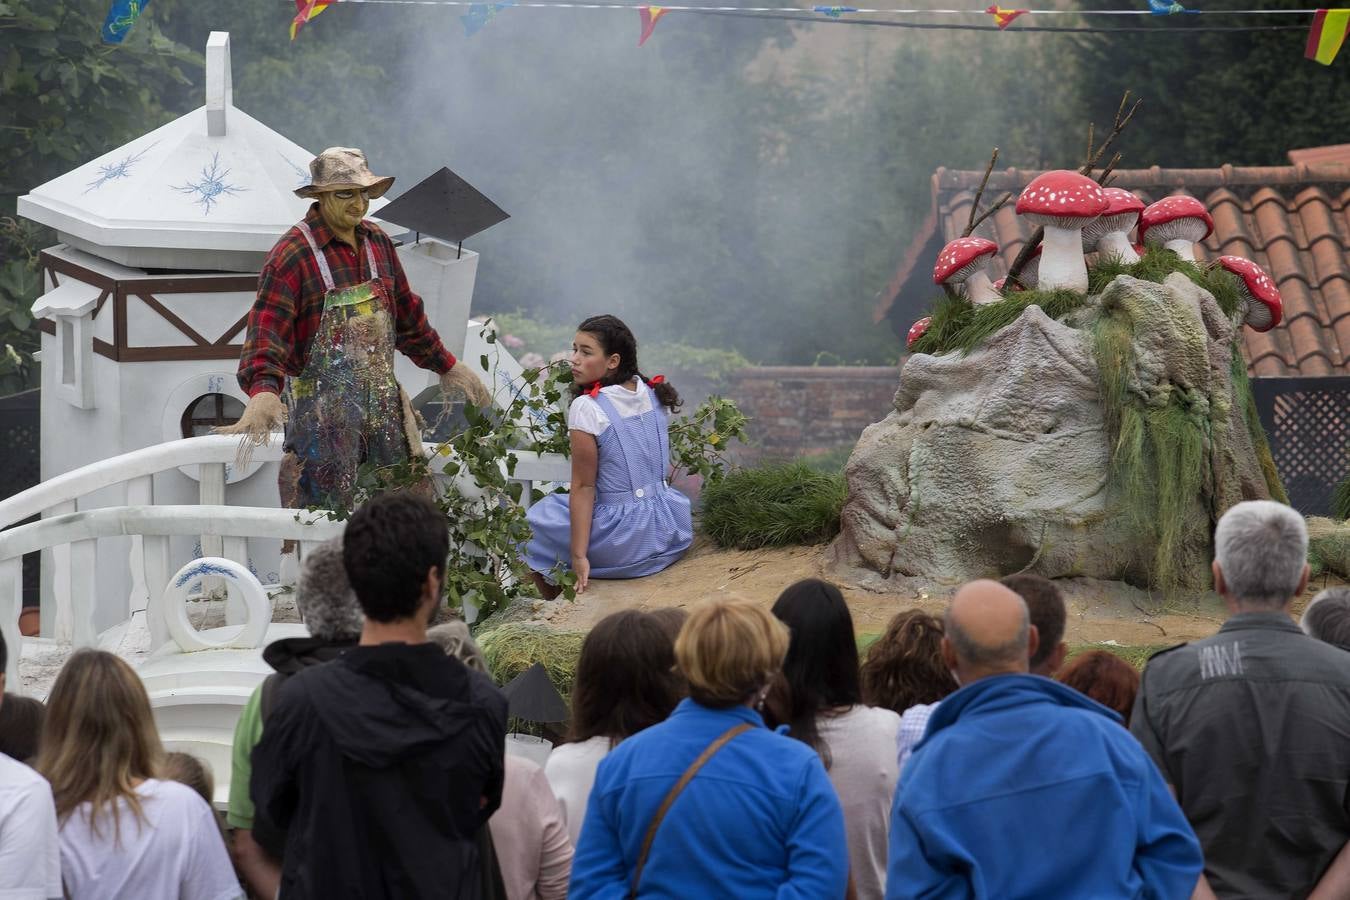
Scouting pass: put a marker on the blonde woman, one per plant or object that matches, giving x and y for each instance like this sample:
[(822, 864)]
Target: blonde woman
[(124, 832), (748, 813)]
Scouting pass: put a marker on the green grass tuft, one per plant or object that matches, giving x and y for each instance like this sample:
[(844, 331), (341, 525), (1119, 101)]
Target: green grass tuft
[(957, 325), (1242, 395), (1340, 501), (773, 506), (513, 647)]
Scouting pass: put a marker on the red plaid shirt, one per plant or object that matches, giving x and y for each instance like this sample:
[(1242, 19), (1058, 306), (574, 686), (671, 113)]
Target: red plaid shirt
[(290, 303)]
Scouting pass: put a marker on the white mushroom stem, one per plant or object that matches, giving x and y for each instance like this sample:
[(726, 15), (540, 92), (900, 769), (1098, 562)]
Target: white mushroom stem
[(1182, 247), (979, 289), (1062, 264), (1117, 244)]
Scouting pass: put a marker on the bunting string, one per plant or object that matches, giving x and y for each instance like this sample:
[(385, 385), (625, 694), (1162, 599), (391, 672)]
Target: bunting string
[(565, 4), (1329, 31)]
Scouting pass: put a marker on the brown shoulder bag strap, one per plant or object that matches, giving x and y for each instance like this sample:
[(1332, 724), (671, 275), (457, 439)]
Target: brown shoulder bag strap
[(688, 776)]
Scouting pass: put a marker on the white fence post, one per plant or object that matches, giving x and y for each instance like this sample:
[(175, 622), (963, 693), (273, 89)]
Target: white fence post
[(140, 492), (61, 622), (211, 477), (11, 603), (83, 576), (155, 560)]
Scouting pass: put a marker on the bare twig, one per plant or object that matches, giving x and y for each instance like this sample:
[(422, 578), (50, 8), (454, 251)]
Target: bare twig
[(1103, 178), (1002, 201), (1087, 159), (975, 205), (1120, 124), (1094, 156)]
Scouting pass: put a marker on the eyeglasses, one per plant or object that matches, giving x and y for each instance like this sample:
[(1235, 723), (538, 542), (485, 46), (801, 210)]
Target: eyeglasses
[(347, 195)]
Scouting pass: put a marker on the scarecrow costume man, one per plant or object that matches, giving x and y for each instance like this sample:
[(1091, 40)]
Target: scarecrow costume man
[(333, 305)]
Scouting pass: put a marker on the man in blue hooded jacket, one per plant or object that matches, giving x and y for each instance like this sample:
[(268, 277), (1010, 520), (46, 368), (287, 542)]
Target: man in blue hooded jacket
[(1024, 788)]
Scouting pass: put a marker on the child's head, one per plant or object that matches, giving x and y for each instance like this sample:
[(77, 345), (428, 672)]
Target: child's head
[(604, 350), (187, 769), (20, 726)]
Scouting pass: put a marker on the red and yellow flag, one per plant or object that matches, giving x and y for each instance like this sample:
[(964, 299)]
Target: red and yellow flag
[(306, 10), (650, 16), (1004, 17), (1328, 32)]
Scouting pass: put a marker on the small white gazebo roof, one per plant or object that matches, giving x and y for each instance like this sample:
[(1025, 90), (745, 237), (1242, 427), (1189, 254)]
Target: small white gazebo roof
[(212, 189)]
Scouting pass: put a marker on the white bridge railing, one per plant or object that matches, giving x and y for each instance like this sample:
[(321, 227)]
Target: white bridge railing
[(73, 534)]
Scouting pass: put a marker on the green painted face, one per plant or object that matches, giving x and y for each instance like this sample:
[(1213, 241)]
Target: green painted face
[(343, 210)]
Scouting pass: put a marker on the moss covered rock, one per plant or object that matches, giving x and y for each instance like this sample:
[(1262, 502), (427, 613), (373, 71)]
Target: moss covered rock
[(1103, 444)]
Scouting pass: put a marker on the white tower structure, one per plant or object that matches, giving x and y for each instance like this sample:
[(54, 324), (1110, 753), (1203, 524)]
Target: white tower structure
[(147, 296)]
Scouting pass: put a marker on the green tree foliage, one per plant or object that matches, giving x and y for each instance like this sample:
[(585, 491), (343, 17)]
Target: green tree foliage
[(67, 98), (1245, 98)]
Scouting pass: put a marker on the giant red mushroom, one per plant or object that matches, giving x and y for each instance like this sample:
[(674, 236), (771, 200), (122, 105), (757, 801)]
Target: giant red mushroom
[(1062, 202), (1109, 235), (962, 262), (1177, 223), (917, 330), (1263, 308)]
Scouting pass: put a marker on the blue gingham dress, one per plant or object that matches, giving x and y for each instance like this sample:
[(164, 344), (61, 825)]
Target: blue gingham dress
[(640, 524)]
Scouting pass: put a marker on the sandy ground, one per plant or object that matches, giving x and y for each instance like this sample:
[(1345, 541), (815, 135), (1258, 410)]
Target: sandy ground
[(1098, 611)]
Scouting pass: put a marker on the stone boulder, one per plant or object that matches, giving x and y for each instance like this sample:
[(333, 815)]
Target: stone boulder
[(1000, 460)]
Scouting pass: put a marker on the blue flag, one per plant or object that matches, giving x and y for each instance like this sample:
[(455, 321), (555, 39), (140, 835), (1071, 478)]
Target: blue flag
[(121, 16), (480, 14), (1168, 8)]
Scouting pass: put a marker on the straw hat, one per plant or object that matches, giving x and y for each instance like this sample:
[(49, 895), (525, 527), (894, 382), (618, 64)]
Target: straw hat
[(343, 169)]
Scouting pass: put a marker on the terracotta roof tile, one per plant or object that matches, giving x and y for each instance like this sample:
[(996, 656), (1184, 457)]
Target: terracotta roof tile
[(1314, 155), (1292, 220)]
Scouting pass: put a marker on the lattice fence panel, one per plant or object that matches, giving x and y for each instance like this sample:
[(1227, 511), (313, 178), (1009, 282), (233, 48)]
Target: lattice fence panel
[(1307, 422), (21, 465)]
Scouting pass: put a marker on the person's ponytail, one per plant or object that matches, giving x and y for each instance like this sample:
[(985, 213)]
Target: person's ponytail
[(666, 394)]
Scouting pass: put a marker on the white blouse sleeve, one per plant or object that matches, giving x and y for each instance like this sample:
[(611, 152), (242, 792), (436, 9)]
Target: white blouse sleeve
[(586, 415)]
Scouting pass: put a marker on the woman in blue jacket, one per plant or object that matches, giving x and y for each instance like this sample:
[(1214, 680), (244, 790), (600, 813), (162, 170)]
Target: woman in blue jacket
[(758, 820)]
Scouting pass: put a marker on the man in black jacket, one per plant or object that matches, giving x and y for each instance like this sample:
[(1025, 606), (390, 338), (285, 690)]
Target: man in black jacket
[(329, 609), (382, 764)]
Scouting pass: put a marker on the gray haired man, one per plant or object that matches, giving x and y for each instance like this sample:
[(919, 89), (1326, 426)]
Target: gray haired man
[(1249, 726), (328, 606), (1327, 618)]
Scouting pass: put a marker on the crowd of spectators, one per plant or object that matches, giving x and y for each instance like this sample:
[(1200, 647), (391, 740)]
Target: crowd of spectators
[(730, 751)]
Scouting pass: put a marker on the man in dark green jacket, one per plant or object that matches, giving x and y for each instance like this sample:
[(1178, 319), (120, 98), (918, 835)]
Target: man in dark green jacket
[(1251, 727)]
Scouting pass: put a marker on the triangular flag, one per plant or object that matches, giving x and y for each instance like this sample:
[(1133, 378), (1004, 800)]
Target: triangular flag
[(1004, 17), (306, 10), (650, 16), (835, 12), (121, 16), (1327, 34)]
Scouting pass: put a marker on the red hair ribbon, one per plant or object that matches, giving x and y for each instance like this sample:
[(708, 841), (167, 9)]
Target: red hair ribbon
[(656, 379), (593, 391)]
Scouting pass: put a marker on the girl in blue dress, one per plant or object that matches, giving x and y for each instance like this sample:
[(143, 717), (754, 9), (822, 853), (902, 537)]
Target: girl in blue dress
[(621, 519)]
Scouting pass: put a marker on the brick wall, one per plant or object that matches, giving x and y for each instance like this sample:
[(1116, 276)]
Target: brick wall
[(804, 410)]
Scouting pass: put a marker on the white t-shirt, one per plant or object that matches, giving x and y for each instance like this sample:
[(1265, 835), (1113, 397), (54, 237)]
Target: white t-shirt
[(30, 857), (177, 853), (863, 771), (586, 415), (571, 774)]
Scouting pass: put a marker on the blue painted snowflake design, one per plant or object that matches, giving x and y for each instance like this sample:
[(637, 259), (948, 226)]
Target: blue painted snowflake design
[(211, 186), (201, 570), (301, 174), (114, 171)]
